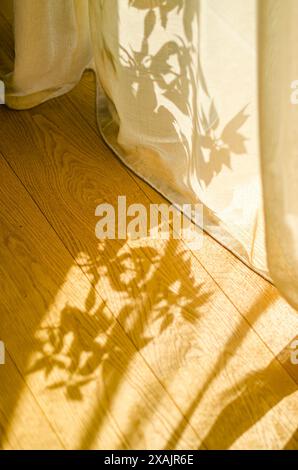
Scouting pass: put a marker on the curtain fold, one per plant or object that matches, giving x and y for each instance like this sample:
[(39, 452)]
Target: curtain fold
[(194, 96), (52, 49), (278, 69)]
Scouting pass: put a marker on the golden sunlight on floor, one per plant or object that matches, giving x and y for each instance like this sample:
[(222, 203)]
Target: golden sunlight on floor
[(124, 344)]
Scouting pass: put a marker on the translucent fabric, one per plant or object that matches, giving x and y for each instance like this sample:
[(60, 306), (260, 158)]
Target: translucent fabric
[(194, 96)]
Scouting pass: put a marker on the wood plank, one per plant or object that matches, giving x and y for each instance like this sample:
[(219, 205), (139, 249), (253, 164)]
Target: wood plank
[(14, 430), (88, 380), (273, 319), (205, 354)]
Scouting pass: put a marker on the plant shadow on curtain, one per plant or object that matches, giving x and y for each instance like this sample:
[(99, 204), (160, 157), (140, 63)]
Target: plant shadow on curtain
[(157, 114)]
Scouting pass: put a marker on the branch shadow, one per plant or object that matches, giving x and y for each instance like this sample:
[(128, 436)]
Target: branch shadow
[(292, 443), (261, 388), (166, 85), (150, 305)]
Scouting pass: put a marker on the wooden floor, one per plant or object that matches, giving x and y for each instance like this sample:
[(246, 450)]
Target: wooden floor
[(117, 344)]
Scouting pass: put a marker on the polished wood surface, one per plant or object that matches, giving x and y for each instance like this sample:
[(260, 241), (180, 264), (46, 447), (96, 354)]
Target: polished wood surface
[(124, 344)]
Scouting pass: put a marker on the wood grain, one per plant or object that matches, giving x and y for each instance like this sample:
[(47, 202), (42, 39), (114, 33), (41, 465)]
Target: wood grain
[(69, 349)]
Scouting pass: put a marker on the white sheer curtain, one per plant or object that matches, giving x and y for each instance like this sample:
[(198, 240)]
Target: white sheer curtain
[(278, 68), (194, 96)]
